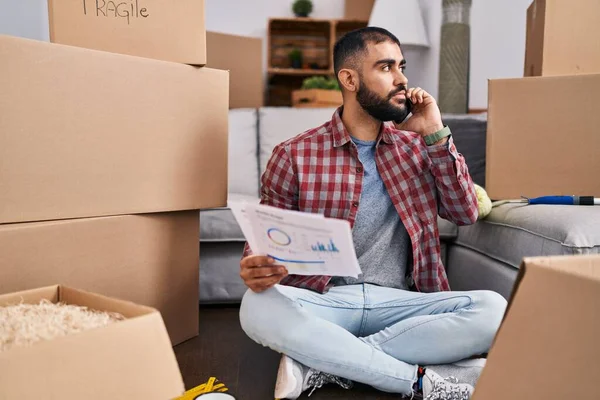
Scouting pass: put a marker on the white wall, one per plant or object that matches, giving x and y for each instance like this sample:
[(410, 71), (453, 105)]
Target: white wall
[(497, 33), (249, 17), (497, 46), (24, 18)]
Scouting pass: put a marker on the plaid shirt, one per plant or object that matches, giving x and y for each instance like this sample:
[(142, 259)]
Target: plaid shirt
[(319, 171)]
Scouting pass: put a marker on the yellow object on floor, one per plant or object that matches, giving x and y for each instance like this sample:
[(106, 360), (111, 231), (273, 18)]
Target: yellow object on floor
[(211, 386)]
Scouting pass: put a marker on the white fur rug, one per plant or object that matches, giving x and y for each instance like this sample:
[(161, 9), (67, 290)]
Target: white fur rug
[(25, 324)]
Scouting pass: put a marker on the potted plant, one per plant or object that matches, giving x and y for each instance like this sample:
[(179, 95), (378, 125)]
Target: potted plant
[(296, 58), (318, 91), (302, 8), (320, 82)]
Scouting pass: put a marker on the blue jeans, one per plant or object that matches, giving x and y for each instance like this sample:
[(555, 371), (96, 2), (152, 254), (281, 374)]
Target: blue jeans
[(372, 334)]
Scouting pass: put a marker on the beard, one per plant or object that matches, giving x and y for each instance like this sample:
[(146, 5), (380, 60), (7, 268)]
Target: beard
[(382, 108)]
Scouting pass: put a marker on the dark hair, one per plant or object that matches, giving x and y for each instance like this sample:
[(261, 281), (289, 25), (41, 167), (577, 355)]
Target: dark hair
[(354, 43)]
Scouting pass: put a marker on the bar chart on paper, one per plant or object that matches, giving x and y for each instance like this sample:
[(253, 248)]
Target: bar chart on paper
[(306, 244)]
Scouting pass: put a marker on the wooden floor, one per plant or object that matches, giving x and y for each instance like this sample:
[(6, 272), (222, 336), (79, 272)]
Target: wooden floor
[(248, 370)]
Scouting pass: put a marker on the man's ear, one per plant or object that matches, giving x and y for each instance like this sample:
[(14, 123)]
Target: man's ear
[(349, 79)]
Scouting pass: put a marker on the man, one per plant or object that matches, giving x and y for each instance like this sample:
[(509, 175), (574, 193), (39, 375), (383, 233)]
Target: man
[(395, 325)]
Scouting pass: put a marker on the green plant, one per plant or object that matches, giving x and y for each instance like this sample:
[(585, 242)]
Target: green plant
[(320, 82), (295, 54), (295, 58), (302, 8)]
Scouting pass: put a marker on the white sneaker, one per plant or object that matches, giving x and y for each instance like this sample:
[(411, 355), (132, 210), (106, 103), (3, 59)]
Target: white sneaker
[(290, 378), (465, 371), (294, 378), (437, 388)]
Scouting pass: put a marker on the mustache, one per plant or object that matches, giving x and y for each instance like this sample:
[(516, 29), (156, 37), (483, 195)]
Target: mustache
[(397, 90)]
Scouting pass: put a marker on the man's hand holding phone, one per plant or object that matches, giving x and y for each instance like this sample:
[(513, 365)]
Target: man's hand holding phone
[(261, 273), (426, 117)]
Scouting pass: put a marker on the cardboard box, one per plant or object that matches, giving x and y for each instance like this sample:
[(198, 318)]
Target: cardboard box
[(130, 359), (149, 259), (561, 38), (86, 133), (547, 346), (246, 78), (542, 137), (316, 98), (164, 30), (359, 10)]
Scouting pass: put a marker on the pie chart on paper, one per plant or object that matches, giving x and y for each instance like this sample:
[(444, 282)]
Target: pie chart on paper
[(279, 237)]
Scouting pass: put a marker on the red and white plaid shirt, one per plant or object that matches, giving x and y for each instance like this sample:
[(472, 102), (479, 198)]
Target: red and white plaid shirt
[(319, 171)]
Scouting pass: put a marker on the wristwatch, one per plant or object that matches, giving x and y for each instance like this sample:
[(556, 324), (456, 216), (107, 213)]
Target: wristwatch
[(437, 136)]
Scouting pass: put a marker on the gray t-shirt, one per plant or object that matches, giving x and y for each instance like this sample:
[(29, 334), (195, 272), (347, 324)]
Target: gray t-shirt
[(382, 244)]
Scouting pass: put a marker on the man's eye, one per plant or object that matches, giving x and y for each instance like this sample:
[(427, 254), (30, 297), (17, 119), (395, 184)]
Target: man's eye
[(403, 68), (386, 68)]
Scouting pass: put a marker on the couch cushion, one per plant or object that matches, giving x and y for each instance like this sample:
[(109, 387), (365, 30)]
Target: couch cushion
[(219, 224), (278, 124), (448, 230), (513, 231), (243, 148)]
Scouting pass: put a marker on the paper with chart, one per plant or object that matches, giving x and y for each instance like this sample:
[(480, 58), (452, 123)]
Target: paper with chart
[(306, 244)]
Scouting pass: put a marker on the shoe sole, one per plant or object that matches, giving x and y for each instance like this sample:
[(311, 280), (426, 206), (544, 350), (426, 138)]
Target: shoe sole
[(474, 362), (286, 382)]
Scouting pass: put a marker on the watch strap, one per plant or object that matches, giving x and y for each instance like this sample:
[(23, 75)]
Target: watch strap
[(437, 136)]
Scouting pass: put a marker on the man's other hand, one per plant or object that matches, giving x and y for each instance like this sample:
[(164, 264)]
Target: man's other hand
[(261, 273)]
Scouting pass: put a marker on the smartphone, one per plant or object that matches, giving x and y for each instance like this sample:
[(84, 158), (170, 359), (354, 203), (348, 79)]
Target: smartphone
[(409, 107)]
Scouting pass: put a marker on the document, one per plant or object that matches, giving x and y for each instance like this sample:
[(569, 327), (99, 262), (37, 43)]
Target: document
[(305, 243)]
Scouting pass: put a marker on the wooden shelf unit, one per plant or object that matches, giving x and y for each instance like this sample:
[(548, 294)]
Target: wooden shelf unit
[(315, 38)]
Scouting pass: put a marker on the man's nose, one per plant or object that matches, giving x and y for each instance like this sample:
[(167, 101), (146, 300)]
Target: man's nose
[(400, 79)]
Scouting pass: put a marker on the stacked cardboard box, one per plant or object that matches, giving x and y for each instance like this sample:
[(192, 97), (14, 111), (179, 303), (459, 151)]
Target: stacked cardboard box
[(164, 30), (541, 136), (111, 139), (562, 38), (242, 56)]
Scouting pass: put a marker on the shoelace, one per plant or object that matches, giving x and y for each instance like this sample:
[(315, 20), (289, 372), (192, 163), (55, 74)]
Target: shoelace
[(318, 379), (441, 391)]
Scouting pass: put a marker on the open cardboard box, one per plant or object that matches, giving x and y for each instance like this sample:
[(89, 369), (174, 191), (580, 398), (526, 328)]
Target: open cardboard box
[(129, 359), (547, 346)]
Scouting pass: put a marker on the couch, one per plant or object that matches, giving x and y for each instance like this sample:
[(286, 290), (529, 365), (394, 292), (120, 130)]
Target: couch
[(485, 255)]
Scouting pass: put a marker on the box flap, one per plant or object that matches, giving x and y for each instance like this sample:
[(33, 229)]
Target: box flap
[(103, 303), (583, 266), (32, 296), (547, 345)]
